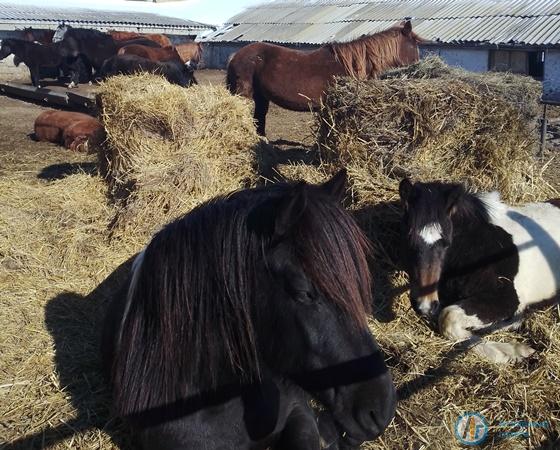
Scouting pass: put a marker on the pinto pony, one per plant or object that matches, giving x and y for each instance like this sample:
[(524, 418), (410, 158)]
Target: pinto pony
[(235, 313), (476, 263), (71, 129), (296, 80)]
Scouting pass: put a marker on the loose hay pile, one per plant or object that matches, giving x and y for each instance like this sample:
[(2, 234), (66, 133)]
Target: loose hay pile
[(435, 122), (54, 250), (169, 148)]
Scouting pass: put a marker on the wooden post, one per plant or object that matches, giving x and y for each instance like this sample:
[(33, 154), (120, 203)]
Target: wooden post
[(543, 130)]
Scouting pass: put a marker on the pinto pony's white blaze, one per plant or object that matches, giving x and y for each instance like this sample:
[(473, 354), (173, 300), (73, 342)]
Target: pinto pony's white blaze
[(431, 233)]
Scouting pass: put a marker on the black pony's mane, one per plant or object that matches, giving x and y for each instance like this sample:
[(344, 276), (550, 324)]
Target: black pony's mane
[(190, 317)]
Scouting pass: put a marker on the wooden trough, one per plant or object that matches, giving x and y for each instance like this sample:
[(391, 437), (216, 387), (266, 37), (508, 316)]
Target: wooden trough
[(61, 97)]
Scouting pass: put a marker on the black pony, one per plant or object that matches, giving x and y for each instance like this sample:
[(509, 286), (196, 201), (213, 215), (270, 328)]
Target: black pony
[(34, 55), (90, 45), (174, 71), (234, 312)]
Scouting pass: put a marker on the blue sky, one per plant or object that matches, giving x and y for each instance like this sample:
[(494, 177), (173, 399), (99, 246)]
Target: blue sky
[(208, 11)]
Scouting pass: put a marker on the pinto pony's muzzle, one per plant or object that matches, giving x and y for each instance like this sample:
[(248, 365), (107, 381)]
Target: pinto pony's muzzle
[(424, 289)]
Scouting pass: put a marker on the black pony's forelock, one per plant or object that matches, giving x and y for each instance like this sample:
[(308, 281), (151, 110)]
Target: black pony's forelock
[(189, 322)]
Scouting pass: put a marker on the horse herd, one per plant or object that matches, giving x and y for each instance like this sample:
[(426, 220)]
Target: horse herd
[(86, 55), (237, 314)]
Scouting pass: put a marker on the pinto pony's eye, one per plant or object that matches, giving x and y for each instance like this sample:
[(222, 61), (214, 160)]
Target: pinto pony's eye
[(444, 243)]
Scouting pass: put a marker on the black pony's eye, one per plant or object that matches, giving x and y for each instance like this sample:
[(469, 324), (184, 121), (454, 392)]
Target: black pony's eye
[(304, 297)]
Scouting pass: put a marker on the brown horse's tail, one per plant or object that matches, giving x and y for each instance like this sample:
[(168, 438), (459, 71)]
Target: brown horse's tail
[(231, 76)]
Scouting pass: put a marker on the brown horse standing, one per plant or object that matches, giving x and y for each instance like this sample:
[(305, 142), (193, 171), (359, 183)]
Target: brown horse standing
[(161, 39), (296, 80)]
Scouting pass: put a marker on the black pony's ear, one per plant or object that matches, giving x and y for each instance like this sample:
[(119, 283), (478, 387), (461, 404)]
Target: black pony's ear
[(405, 188), (290, 211), (407, 27), (336, 186), (452, 197)]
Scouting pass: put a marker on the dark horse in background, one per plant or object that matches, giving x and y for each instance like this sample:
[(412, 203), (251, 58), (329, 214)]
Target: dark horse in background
[(89, 45), (476, 263), (173, 71), (39, 36), (34, 55), (296, 80), (236, 312)]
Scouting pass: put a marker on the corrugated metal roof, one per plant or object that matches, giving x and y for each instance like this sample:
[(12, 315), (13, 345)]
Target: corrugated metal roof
[(14, 14), (530, 22)]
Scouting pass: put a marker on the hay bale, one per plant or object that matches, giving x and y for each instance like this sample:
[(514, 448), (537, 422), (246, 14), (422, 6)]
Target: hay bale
[(521, 91), (169, 148)]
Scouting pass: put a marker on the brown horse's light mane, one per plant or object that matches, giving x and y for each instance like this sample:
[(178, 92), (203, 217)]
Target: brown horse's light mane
[(194, 50), (370, 55)]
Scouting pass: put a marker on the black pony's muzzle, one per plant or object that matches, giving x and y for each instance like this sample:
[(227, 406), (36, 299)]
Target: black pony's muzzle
[(361, 399)]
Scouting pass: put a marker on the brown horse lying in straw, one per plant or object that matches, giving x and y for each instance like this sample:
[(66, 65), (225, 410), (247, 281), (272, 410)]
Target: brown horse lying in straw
[(296, 80), (161, 39), (71, 129)]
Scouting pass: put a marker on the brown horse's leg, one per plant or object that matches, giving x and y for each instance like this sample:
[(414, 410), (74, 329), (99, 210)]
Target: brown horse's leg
[(261, 108)]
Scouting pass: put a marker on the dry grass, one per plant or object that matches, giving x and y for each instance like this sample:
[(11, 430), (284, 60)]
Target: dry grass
[(169, 148), (54, 250)]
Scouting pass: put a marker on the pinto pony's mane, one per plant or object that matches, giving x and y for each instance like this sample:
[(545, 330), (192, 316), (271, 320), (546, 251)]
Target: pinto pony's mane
[(190, 320), (368, 56)]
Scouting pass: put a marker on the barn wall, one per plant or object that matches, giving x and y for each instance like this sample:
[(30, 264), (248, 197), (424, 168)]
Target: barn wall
[(475, 60), (216, 55), (551, 81)]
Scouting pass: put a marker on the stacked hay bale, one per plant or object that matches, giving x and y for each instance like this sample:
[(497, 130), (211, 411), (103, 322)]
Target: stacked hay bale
[(430, 121), (169, 148)]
